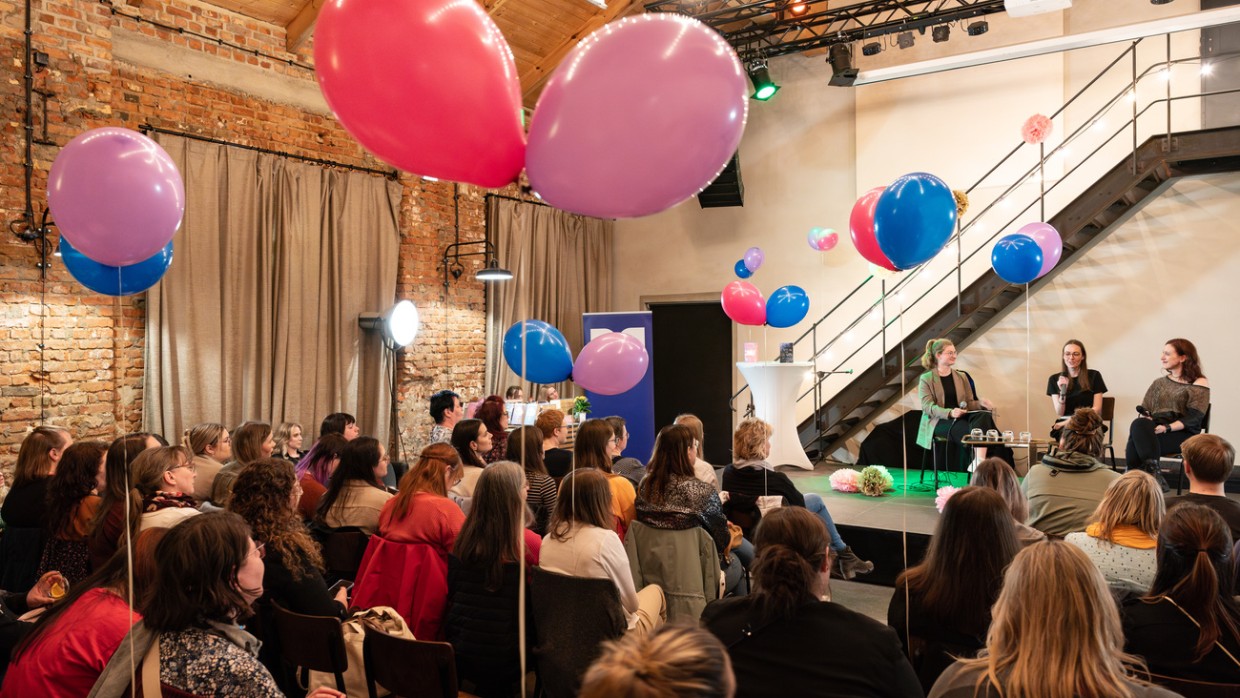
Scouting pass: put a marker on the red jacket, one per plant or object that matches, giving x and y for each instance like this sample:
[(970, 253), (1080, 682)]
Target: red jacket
[(411, 578)]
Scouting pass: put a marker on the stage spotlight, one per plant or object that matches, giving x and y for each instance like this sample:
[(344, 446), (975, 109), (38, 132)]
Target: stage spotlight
[(872, 49), (978, 28), (399, 325), (843, 70), (904, 39), (763, 86), (797, 9), (941, 33)]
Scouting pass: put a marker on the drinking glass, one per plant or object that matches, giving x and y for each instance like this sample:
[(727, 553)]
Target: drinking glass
[(1026, 437), (976, 434), (992, 434), (1008, 436)]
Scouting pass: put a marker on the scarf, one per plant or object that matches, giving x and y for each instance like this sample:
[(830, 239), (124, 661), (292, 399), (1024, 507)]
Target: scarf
[(1126, 535), (168, 500), (116, 676)]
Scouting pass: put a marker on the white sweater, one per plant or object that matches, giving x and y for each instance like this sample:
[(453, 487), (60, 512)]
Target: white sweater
[(593, 553)]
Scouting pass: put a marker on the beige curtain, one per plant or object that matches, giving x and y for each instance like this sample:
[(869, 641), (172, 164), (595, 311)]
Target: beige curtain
[(256, 318), (562, 267)]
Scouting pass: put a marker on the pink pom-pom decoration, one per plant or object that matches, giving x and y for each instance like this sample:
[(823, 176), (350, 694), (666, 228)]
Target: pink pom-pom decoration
[(945, 492), (845, 480), (1036, 129)]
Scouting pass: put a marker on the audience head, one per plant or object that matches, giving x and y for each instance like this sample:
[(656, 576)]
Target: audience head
[(265, 495), (548, 393), (493, 414), (674, 661), (514, 393), (695, 427), (471, 440), (934, 350), (1135, 499), (492, 533), (437, 470), (163, 469), (361, 460), (81, 471), (752, 440), (1208, 458), (1184, 354), (674, 451), (39, 453), (525, 446), (792, 561), (446, 408), (251, 441), (590, 449), (209, 439), (551, 424), (207, 569), (1196, 569), (620, 430), (996, 474), (1082, 433), (341, 423), (584, 498), (288, 438), (322, 459), (121, 454)]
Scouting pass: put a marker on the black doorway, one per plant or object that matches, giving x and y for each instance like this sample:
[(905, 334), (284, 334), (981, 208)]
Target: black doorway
[(693, 370)]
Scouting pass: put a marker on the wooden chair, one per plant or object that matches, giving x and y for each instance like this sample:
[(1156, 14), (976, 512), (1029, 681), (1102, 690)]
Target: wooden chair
[(1108, 420), (409, 667), (342, 553), (1179, 457), (312, 642)]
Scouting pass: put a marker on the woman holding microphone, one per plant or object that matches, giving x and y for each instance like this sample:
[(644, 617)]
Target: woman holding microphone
[(949, 409)]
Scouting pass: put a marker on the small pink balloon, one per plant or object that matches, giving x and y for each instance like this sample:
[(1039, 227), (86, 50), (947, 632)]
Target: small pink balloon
[(611, 364), (1048, 240), (861, 228), (743, 302), (116, 195), (823, 239), (641, 115)]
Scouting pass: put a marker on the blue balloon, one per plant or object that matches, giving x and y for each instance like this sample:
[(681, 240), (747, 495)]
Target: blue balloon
[(1017, 258), (115, 281), (787, 306), (914, 218), (742, 270), (547, 357)]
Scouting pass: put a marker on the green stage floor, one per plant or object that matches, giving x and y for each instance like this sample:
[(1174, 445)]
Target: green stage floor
[(918, 486)]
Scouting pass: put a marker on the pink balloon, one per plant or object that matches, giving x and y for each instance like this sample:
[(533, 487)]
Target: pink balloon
[(823, 239), (429, 86), (861, 228), (611, 364), (116, 195), (743, 302), (1048, 240), (641, 115)]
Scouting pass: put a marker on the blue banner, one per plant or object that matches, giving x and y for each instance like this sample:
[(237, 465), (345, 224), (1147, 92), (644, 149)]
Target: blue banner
[(636, 405)]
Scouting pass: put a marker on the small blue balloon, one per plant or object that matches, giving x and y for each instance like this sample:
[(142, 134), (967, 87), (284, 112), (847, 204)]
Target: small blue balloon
[(1016, 258), (914, 218), (115, 281), (787, 306), (742, 270), (547, 358)]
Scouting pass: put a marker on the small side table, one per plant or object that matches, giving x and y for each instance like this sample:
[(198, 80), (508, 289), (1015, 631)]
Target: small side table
[(1034, 445)]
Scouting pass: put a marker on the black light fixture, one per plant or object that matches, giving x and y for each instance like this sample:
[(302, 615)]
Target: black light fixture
[(905, 39), (1160, 2), (760, 75), (941, 33), (451, 262), (843, 70), (872, 49), (978, 28)]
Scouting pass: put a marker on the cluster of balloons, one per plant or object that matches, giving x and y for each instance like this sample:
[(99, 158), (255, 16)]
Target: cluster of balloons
[(1027, 254), (905, 224), (117, 199), (747, 265), (610, 364), (822, 239), (744, 304), (604, 140)]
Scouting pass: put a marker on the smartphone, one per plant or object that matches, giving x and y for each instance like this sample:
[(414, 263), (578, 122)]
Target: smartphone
[(342, 584)]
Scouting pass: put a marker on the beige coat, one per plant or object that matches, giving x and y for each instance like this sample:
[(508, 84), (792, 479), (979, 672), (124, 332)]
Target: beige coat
[(930, 392)]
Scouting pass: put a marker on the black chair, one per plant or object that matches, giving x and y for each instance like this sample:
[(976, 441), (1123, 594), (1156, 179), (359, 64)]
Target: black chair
[(1197, 689), (312, 642), (573, 617), (21, 549), (342, 553), (1179, 457), (409, 667), (1108, 420)]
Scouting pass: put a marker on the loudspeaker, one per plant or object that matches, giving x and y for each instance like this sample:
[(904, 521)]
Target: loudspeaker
[(727, 189)]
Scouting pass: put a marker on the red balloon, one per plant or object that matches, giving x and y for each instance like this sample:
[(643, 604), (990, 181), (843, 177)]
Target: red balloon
[(743, 302), (861, 228), (429, 86)]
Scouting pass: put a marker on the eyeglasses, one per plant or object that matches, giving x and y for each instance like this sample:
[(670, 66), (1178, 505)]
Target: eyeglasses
[(259, 550), (188, 466)]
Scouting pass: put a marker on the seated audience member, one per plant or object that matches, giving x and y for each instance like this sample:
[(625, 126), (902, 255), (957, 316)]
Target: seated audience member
[(1067, 486), (446, 411), (701, 469), (1075, 386), (675, 661), (1123, 531), (421, 511), (69, 645), (941, 608), (581, 542), (341, 423), (1208, 461), (471, 440), (483, 582), (72, 504), (162, 480), (525, 448), (514, 394), (590, 452), (996, 474), (37, 458), (207, 574), (621, 464), (1173, 409), (494, 415), (778, 636), (554, 427), (355, 494), (14, 604), (752, 475), (548, 393), (314, 472), (1055, 632), (670, 497), (1188, 625), (288, 442), (211, 445), (949, 409), (108, 526), (250, 441)]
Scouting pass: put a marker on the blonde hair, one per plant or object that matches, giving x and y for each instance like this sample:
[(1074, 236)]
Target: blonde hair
[(934, 347), (199, 436), (1134, 499), (695, 428), (1055, 630), (675, 661), (749, 440)]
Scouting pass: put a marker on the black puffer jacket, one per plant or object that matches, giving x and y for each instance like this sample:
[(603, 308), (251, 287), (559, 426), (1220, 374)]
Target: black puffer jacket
[(482, 627)]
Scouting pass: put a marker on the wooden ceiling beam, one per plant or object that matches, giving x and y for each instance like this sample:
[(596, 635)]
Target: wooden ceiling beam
[(533, 78), (299, 30)]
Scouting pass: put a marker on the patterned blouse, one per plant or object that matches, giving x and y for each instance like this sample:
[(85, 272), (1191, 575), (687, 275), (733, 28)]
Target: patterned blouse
[(1187, 401), (203, 663), (688, 502)]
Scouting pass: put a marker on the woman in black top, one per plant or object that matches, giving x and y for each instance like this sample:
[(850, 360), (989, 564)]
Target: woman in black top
[(36, 463), (1172, 410), (1075, 386)]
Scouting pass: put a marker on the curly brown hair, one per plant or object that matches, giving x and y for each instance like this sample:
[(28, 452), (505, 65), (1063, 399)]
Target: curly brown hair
[(263, 496)]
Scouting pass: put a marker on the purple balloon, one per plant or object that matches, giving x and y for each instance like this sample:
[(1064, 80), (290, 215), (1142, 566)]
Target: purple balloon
[(641, 115), (116, 195), (1048, 240), (753, 258), (611, 364)]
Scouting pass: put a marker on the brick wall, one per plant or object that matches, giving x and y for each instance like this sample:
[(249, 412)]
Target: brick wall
[(89, 374)]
